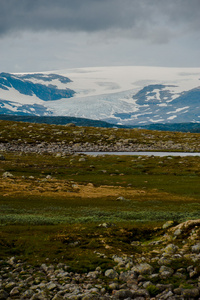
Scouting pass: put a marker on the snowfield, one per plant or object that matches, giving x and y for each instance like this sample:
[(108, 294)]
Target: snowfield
[(121, 95)]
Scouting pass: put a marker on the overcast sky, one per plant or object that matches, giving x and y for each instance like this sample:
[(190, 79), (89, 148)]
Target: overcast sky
[(43, 35)]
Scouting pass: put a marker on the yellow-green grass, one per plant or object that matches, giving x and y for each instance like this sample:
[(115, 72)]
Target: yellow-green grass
[(62, 218)]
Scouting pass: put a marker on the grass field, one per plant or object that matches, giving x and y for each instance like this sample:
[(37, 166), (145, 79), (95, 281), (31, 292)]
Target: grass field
[(81, 210)]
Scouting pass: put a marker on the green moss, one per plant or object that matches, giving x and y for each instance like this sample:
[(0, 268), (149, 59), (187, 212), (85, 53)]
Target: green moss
[(153, 290)]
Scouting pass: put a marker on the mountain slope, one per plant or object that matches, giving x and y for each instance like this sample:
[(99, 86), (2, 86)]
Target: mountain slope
[(119, 95)]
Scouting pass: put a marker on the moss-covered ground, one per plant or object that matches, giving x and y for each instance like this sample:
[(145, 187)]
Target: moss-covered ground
[(81, 210)]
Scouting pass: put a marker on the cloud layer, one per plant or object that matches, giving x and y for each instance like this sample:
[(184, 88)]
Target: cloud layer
[(39, 35), (157, 20)]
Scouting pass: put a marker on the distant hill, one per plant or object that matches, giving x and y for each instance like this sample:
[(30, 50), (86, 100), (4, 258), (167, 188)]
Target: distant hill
[(182, 127), (59, 121)]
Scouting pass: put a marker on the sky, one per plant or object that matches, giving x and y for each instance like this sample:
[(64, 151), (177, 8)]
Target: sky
[(45, 35)]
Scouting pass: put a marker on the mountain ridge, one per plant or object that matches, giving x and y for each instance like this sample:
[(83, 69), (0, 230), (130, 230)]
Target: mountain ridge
[(128, 96)]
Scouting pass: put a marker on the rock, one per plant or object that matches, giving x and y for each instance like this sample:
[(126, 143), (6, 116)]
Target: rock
[(165, 272), (168, 224), (57, 297), (3, 295), (51, 286), (93, 274), (10, 285), (164, 261), (143, 269), (190, 293), (110, 273), (185, 225), (28, 294), (7, 175), (86, 297), (140, 293), (196, 248), (82, 159), (171, 249), (146, 284), (44, 267), (120, 198), (177, 232), (180, 275), (178, 291), (135, 243), (164, 287), (123, 294), (14, 291), (114, 286), (12, 260), (166, 295)]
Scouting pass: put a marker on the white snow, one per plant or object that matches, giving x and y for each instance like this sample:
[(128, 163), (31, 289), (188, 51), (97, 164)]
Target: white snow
[(172, 117), (177, 110), (102, 92)]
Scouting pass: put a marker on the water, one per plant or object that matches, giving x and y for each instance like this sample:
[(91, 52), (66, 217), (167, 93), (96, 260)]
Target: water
[(147, 153)]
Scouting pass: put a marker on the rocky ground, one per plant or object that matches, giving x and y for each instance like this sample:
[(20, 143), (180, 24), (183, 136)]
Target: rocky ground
[(166, 268), (122, 146), (40, 138)]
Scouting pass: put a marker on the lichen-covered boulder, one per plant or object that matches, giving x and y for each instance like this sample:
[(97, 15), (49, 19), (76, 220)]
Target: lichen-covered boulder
[(143, 268)]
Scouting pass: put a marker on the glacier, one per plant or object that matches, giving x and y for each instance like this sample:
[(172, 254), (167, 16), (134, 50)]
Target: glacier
[(128, 95)]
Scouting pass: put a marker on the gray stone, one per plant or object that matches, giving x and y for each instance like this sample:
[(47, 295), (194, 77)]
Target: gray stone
[(3, 295), (135, 243), (171, 249), (44, 267), (168, 224), (28, 294), (57, 297), (51, 286), (82, 159), (15, 291), (123, 294), (12, 260), (146, 284), (196, 248), (177, 232), (166, 272), (10, 285), (190, 293), (140, 293), (180, 275), (114, 286), (110, 273), (166, 295), (143, 269), (7, 175), (164, 261)]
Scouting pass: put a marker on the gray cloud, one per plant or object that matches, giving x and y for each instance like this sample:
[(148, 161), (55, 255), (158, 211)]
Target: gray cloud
[(156, 20)]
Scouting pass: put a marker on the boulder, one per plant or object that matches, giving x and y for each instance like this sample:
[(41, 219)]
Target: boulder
[(165, 272), (143, 268), (196, 248), (110, 273), (168, 224)]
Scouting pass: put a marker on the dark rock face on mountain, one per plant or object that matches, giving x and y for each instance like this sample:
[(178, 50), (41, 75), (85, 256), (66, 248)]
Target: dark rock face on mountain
[(27, 87), (156, 104)]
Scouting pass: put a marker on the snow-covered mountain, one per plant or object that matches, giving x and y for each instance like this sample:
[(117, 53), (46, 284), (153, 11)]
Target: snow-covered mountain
[(120, 95)]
